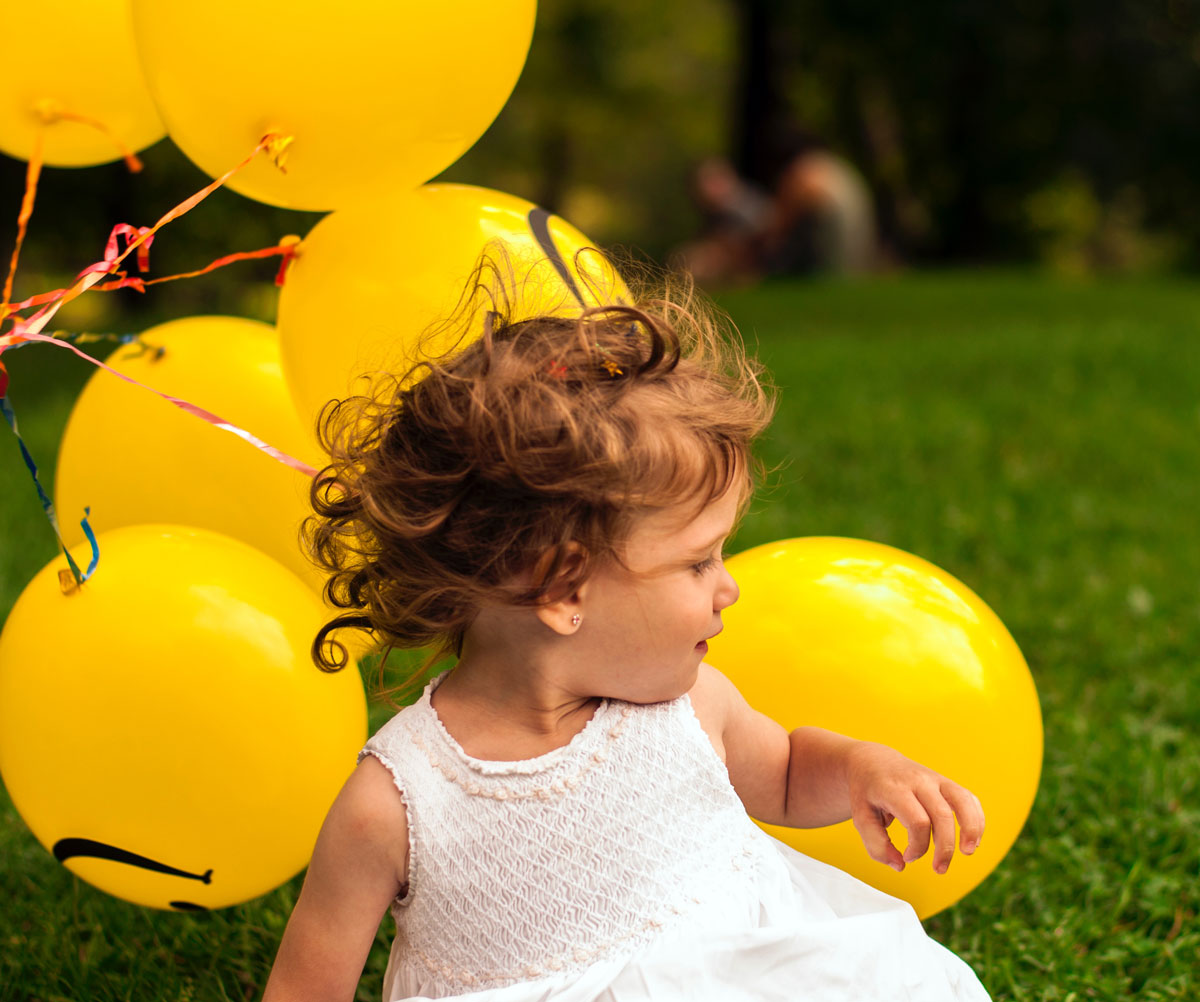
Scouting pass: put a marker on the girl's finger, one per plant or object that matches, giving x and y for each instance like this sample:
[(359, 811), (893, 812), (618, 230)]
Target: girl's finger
[(970, 815), (873, 831), (941, 819), (911, 813)]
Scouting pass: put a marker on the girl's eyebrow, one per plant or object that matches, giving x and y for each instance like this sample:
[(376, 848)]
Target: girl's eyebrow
[(707, 547)]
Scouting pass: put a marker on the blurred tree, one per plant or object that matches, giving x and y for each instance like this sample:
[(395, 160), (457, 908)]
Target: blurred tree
[(759, 108), (959, 110), (618, 101), (968, 118)]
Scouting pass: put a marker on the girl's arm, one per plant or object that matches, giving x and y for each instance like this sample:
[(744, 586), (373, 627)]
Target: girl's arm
[(814, 777), (358, 867)]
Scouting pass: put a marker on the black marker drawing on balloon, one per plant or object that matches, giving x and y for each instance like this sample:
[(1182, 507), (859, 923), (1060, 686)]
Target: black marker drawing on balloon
[(539, 225), (69, 848)]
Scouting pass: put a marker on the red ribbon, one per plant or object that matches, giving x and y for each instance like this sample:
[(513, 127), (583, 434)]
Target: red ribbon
[(138, 239)]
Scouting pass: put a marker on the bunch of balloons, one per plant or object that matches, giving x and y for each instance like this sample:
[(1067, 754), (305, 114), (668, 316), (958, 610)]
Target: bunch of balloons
[(178, 748), (197, 748)]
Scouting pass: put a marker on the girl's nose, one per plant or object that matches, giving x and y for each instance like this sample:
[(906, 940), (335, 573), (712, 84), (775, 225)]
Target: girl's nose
[(727, 591)]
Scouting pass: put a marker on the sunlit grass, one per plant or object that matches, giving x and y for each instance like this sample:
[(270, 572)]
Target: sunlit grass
[(1042, 443)]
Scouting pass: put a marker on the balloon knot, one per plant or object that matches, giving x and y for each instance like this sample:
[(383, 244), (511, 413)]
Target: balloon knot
[(276, 146), (67, 581), (48, 110), (290, 247)]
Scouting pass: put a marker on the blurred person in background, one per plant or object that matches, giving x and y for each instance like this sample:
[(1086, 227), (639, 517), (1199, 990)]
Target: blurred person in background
[(736, 214), (819, 218)]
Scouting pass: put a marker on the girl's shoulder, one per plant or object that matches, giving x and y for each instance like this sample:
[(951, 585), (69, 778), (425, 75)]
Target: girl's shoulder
[(399, 733), (404, 719), (711, 698)]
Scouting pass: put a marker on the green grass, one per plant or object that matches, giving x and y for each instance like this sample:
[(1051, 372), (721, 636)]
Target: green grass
[(1041, 442)]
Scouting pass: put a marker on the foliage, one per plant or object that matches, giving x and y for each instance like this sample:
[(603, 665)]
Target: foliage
[(617, 102), (959, 110), (961, 114), (1076, 235)]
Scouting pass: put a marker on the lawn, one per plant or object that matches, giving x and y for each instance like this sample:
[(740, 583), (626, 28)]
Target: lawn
[(1040, 441)]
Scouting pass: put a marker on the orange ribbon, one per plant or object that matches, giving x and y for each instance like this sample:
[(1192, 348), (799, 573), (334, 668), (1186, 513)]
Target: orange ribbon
[(32, 173), (137, 239)]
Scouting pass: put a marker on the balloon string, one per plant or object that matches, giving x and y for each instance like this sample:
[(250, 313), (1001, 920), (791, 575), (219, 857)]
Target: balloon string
[(50, 112), (70, 579), (142, 237), (137, 240), (32, 173), (287, 249), (189, 408)]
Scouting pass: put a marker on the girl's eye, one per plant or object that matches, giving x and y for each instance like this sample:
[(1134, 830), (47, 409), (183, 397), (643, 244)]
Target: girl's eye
[(706, 565)]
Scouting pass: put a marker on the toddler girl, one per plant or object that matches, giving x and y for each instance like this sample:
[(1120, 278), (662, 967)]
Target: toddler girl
[(565, 816)]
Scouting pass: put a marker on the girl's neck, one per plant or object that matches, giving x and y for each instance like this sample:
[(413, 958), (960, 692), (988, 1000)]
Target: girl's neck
[(498, 713)]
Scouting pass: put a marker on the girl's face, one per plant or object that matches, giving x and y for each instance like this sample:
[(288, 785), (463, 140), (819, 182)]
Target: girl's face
[(648, 623)]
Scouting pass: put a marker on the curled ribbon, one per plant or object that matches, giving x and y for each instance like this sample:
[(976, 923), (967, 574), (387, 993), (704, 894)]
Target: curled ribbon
[(104, 275)]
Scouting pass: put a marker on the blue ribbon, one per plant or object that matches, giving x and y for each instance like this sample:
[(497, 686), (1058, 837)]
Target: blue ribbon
[(48, 506)]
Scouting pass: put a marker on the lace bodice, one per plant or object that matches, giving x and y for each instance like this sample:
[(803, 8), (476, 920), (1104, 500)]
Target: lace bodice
[(519, 870)]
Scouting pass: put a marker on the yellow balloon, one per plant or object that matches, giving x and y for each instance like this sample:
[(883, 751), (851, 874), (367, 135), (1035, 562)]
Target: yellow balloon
[(132, 457), (873, 642), (163, 731), (75, 57), (370, 279), (377, 95)]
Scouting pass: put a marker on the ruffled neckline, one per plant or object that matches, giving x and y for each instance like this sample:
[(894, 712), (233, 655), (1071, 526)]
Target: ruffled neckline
[(590, 735)]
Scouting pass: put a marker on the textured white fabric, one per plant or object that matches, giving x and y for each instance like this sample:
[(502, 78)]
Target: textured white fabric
[(623, 867)]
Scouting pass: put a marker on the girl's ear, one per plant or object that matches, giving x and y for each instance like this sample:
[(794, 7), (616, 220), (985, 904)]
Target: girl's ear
[(564, 617), (559, 573)]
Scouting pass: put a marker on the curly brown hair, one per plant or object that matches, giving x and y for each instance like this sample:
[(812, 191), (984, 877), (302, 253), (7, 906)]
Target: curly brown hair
[(462, 483)]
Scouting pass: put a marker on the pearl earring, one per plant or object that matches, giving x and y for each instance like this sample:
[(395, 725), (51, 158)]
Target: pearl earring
[(576, 619)]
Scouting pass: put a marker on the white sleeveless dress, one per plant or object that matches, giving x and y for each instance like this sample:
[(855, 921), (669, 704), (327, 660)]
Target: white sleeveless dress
[(622, 867)]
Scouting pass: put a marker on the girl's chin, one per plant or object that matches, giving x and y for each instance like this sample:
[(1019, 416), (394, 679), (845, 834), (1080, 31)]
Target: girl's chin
[(659, 694)]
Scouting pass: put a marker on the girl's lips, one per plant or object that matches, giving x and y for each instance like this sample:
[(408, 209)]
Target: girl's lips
[(702, 647)]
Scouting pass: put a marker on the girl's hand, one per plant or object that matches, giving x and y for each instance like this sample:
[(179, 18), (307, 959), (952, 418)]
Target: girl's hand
[(886, 786), (812, 777)]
